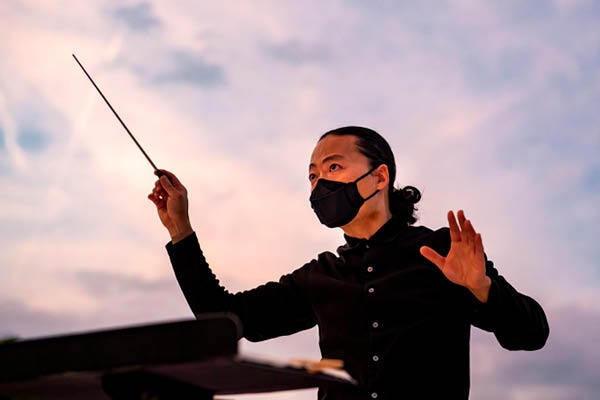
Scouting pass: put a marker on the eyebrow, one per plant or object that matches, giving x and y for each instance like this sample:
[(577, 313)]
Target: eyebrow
[(328, 158)]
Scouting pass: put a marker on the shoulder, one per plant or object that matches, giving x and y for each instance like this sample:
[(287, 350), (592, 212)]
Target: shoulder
[(316, 264), (438, 239), (326, 257)]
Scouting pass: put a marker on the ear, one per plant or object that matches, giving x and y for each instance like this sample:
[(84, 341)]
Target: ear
[(383, 175)]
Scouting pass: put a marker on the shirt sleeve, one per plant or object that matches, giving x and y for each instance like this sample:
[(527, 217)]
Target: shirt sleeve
[(267, 311), (517, 320)]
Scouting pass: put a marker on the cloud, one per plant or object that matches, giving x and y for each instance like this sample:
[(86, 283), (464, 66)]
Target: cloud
[(512, 67), (21, 320), (192, 69), (138, 17), (32, 139), (100, 283), (32, 124), (568, 364), (296, 52), (13, 154)]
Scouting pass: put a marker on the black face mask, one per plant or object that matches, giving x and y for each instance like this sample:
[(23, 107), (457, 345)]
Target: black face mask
[(337, 203)]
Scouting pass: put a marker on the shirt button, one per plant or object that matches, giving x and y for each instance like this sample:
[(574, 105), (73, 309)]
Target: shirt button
[(375, 324), (369, 269), (375, 358), (374, 395), (371, 290), (367, 246)]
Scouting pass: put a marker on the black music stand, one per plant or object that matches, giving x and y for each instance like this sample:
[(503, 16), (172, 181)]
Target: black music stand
[(190, 359)]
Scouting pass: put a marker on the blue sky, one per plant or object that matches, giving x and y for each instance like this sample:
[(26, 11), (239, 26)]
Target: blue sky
[(489, 107)]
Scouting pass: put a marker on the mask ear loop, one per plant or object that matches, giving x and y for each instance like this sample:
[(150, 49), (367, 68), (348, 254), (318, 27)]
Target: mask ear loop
[(367, 173), (374, 193), (359, 178)]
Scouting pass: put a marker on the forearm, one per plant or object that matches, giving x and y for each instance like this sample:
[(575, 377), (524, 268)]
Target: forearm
[(270, 310), (517, 320), (521, 323), (199, 285)]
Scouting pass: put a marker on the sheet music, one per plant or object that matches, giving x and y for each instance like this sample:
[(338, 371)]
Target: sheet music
[(296, 364)]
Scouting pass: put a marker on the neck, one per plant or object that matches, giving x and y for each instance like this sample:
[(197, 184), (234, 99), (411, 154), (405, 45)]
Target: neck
[(365, 226)]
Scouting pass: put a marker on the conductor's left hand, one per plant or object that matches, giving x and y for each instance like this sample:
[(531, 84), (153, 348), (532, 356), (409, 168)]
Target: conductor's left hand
[(465, 262)]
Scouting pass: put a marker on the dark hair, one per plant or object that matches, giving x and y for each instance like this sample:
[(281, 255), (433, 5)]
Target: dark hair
[(373, 146)]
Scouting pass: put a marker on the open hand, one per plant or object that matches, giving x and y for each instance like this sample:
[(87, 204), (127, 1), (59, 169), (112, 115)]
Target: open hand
[(465, 262)]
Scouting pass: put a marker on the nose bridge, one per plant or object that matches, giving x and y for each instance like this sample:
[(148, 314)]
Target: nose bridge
[(314, 183), (320, 178)]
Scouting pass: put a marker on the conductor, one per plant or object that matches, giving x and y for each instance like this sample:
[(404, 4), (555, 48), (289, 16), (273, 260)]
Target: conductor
[(395, 302)]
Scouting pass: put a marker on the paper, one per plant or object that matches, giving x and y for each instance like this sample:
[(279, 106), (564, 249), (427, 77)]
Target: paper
[(325, 366)]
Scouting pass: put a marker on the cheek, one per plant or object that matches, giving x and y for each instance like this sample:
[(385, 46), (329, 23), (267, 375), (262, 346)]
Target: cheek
[(366, 188)]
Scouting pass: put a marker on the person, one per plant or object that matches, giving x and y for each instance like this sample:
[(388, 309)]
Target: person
[(395, 303)]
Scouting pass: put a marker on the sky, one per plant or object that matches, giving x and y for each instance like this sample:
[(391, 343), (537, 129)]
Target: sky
[(489, 107)]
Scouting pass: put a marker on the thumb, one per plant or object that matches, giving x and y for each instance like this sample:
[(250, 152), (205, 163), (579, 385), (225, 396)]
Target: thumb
[(432, 256), (167, 185)]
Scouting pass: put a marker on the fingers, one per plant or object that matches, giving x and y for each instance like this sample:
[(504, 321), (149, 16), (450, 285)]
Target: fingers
[(159, 202), (167, 185), (172, 178), (158, 190), (159, 195), (463, 231), (454, 231), (478, 244), (164, 189), (468, 233), (461, 219), (432, 256)]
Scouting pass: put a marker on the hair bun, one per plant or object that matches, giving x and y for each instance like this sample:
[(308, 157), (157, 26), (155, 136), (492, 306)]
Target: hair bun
[(411, 194)]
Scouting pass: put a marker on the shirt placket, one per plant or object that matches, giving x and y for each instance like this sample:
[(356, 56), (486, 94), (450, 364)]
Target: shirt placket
[(375, 356)]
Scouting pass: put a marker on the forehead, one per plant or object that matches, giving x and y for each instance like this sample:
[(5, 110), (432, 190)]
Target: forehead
[(343, 145)]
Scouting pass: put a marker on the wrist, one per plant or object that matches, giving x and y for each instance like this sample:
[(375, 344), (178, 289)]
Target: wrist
[(180, 231), (481, 292)]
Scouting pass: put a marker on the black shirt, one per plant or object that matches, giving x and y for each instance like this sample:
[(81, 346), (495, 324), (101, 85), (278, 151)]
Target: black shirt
[(400, 326)]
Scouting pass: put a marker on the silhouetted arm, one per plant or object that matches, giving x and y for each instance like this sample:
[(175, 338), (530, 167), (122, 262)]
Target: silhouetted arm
[(267, 311)]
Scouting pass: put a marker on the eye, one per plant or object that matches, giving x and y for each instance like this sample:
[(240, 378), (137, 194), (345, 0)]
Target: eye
[(311, 177), (333, 167)]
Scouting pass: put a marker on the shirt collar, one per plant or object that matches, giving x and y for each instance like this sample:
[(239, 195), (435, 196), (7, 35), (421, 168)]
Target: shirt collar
[(386, 233)]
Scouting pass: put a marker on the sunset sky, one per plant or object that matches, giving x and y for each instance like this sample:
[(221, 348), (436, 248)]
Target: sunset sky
[(490, 107)]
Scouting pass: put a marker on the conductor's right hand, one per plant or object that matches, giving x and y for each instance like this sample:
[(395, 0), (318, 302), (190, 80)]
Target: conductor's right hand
[(170, 198)]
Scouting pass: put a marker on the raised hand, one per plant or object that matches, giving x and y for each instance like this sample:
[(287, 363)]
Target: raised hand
[(170, 197), (465, 262)]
